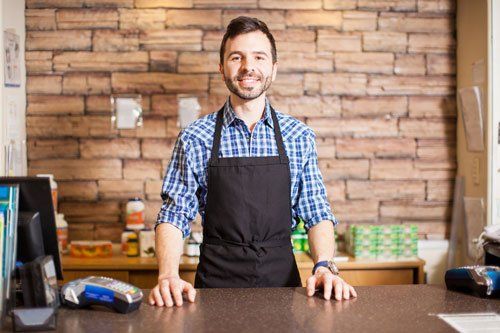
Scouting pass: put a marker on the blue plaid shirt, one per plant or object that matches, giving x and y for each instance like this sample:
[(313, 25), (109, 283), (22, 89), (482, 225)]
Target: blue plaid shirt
[(184, 191)]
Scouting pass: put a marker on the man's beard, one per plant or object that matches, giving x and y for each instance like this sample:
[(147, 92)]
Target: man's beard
[(248, 93)]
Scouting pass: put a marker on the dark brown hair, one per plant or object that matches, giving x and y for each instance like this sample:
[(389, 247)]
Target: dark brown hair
[(243, 25)]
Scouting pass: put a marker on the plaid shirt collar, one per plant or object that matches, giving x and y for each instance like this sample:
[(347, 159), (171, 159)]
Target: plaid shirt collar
[(229, 116)]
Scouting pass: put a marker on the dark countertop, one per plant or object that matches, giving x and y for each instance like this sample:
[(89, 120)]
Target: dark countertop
[(408, 308)]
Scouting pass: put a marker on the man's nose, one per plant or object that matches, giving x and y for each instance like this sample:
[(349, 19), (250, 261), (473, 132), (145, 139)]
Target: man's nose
[(248, 65)]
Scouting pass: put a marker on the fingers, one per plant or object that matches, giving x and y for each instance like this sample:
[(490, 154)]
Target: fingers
[(156, 297), (327, 285), (311, 285), (353, 292), (190, 291), (347, 291), (175, 288), (338, 285), (165, 293)]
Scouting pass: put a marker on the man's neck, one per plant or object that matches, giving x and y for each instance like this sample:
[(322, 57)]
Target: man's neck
[(250, 111)]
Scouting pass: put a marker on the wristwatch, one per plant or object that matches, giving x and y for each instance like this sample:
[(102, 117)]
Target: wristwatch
[(328, 264)]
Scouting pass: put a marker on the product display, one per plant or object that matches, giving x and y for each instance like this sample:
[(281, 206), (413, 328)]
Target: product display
[(90, 249)]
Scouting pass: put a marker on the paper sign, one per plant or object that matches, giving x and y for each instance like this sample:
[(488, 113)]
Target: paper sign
[(470, 103)]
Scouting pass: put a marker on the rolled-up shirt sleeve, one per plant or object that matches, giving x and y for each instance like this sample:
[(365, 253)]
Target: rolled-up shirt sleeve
[(180, 203), (312, 204)]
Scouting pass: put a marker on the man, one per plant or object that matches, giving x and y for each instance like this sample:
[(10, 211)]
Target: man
[(250, 172)]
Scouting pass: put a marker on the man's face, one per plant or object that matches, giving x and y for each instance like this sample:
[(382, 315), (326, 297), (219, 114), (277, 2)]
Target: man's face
[(248, 68)]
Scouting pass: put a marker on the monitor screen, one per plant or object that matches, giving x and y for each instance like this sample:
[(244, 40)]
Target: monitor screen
[(35, 196)]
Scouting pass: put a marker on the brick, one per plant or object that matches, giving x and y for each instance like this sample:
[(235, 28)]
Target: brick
[(335, 190), (115, 148), (374, 106), (54, 105), (441, 64), (152, 209), (307, 106), (415, 211), (153, 188), (386, 189), (359, 21), (115, 40), (428, 106), (225, 4), (164, 105), (436, 6), (295, 40), (109, 3), (435, 149), (314, 18), (80, 231), (87, 18), (142, 19), (439, 190), (194, 18), (44, 84), (77, 190), (366, 62), (274, 19), (211, 40), (151, 128), (38, 61), (339, 4), (330, 40), (40, 19), (84, 169), (404, 169), (43, 149), (411, 85), (58, 40), (120, 189), (54, 3), (325, 148), (373, 147), (141, 169), (163, 61), (387, 5), (163, 3), (305, 62), (424, 165), (211, 103), (98, 104), (150, 83), (78, 211), (108, 231), (431, 43), (73, 126), (335, 169), (433, 229), (290, 4), (343, 84), (427, 128), (171, 39), (198, 62), (87, 84), (101, 61), (409, 64), (388, 41), (402, 23), (157, 148), (356, 210), (287, 85)]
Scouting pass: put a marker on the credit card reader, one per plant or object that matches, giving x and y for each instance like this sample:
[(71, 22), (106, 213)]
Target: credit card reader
[(480, 280), (97, 290)]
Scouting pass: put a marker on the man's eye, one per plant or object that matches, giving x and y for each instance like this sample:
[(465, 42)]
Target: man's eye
[(235, 58), (260, 58)]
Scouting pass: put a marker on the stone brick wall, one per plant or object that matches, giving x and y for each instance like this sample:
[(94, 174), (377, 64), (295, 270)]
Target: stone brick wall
[(375, 79)]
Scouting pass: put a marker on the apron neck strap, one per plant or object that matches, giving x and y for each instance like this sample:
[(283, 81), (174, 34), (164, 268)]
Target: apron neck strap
[(277, 135)]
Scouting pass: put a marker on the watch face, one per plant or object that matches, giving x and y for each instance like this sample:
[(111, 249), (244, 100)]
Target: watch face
[(333, 267)]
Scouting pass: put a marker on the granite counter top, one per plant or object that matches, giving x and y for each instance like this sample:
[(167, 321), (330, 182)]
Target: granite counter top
[(408, 308)]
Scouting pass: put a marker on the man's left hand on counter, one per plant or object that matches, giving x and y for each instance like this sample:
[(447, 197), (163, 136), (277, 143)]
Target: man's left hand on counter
[(324, 279)]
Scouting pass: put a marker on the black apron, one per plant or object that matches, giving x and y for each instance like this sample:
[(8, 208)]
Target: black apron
[(247, 228)]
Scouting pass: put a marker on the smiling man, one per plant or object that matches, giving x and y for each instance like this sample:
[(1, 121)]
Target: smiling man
[(251, 172)]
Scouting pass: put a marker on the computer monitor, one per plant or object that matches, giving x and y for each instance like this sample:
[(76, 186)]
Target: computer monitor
[(29, 237), (35, 196)]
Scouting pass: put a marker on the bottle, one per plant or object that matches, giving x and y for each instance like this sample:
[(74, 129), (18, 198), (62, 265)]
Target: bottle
[(53, 188), (133, 245), (134, 215), (62, 233)]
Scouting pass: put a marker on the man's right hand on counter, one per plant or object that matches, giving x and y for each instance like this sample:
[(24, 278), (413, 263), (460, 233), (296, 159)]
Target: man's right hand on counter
[(169, 290)]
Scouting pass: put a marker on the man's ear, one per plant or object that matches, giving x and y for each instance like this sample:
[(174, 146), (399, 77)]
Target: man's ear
[(221, 71), (275, 71)]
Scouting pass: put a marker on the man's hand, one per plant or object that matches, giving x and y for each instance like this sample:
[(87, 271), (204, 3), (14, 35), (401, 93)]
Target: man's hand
[(169, 290), (325, 279)]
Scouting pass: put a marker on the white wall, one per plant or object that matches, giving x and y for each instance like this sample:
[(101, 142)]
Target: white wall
[(12, 18)]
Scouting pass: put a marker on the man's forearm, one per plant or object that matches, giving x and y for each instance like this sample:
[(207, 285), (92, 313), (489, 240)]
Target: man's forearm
[(169, 244), (322, 241)]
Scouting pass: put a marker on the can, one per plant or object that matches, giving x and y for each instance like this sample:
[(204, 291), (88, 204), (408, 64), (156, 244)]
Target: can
[(132, 245), (147, 243), (135, 214), (124, 240)]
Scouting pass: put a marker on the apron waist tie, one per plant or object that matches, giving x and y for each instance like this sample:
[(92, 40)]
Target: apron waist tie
[(257, 246)]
